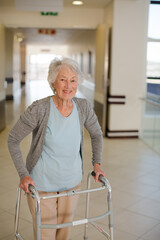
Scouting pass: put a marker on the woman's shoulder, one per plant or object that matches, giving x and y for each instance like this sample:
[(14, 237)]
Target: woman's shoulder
[(83, 103), (80, 100), (40, 105), (41, 102)]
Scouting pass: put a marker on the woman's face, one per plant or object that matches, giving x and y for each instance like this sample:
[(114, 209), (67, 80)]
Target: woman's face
[(66, 83)]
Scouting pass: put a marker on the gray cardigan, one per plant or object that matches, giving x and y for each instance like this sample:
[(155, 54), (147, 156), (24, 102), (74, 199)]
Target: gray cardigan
[(35, 120)]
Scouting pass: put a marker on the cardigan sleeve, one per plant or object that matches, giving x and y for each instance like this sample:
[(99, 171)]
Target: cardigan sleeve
[(24, 126), (94, 129)]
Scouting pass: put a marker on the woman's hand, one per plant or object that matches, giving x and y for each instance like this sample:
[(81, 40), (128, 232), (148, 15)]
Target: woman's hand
[(98, 171), (24, 183)]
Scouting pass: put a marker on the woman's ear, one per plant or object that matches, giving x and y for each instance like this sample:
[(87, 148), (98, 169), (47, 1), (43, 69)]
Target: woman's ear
[(53, 85)]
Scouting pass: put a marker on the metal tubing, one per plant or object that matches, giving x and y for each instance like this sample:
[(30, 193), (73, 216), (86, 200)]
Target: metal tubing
[(38, 211), (74, 223), (110, 208), (17, 211), (18, 236), (87, 206), (39, 226), (106, 234), (111, 233), (71, 193)]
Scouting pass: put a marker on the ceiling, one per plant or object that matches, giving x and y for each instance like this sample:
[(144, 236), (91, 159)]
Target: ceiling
[(88, 3), (62, 36), (67, 3)]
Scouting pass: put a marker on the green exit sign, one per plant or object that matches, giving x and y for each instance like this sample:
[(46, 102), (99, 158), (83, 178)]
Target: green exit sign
[(49, 13)]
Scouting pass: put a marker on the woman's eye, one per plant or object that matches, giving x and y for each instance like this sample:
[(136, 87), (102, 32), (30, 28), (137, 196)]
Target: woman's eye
[(62, 79)]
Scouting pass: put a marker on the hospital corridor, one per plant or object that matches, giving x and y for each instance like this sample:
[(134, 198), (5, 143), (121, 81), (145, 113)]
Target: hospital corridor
[(116, 46), (130, 165)]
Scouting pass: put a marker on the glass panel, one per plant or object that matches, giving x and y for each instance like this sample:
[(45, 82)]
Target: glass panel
[(156, 143), (153, 68), (147, 128), (153, 59), (150, 130), (154, 20)]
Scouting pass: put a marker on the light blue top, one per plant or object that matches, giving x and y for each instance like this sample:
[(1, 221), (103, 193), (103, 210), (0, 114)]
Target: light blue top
[(60, 165)]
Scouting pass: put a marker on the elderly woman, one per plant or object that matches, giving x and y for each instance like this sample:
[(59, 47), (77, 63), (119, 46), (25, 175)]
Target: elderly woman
[(55, 161)]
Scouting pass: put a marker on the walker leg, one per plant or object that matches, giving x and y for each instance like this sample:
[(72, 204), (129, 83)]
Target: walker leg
[(17, 212), (38, 221), (87, 208), (111, 233), (110, 208)]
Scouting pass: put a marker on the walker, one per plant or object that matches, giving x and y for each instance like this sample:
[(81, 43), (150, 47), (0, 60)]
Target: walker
[(105, 185)]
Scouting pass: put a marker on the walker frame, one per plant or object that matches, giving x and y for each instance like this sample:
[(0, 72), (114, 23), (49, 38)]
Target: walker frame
[(109, 213)]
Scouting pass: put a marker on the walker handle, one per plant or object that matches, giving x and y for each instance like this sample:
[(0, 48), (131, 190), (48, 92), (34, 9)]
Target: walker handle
[(101, 178), (31, 188)]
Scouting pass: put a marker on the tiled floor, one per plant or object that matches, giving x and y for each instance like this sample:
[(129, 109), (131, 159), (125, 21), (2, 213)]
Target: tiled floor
[(131, 167)]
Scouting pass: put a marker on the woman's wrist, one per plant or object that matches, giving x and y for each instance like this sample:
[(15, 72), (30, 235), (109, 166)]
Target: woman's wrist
[(97, 167), (98, 171)]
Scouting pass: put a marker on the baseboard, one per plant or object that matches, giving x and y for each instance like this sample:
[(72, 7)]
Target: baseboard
[(122, 134), (9, 97)]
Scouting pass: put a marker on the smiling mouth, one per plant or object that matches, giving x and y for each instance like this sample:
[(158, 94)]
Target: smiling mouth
[(67, 92)]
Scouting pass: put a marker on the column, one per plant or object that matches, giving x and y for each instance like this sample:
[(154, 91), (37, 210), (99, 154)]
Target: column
[(9, 63), (128, 67), (2, 77)]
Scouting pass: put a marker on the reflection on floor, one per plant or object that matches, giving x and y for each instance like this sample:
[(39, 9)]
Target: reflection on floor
[(131, 167)]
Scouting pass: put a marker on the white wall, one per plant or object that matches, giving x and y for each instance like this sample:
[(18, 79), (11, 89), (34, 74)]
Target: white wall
[(69, 18), (9, 53), (101, 73), (108, 14), (16, 66), (9, 63), (54, 49), (2, 62), (100, 58), (81, 45), (128, 62)]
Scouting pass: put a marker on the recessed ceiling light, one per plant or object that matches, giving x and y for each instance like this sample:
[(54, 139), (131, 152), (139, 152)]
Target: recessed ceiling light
[(77, 2)]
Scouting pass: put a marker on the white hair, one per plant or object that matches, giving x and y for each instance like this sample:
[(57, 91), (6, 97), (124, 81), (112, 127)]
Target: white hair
[(56, 65)]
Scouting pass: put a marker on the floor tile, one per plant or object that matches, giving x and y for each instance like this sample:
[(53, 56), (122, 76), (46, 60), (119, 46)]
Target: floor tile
[(133, 223), (155, 195), (147, 207), (154, 234), (8, 200), (23, 210), (124, 200), (150, 179), (119, 235), (138, 188), (6, 224)]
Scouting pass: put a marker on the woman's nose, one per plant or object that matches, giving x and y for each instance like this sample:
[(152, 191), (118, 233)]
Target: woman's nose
[(68, 84)]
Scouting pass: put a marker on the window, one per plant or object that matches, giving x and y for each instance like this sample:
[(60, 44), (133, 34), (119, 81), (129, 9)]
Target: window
[(153, 49), (38, 64)]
